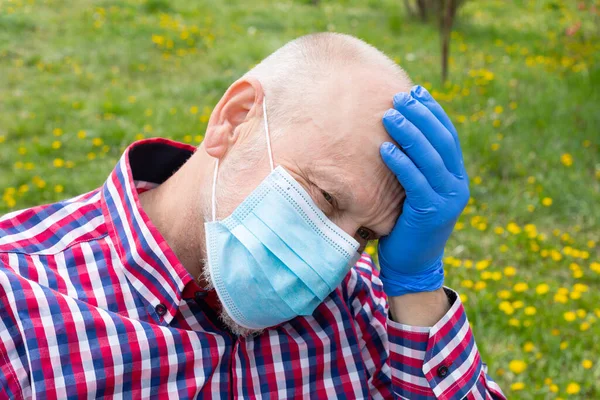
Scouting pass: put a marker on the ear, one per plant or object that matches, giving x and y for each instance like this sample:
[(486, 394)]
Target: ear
[(240, 103)]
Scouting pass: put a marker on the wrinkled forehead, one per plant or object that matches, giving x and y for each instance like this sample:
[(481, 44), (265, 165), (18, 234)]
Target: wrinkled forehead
[(340, 140)]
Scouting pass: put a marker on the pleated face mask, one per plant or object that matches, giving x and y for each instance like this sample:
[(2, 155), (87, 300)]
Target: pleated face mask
[(277, 255)]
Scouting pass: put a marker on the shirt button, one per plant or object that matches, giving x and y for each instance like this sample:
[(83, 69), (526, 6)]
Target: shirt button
[(199, 296), (442, 371), (161, 309)]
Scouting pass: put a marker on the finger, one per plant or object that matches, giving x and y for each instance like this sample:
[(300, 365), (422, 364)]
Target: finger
[(412, 180), (436, 133), (424, 97), (418, 148)]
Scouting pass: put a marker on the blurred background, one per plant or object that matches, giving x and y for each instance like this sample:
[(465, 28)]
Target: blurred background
[(80, 80)]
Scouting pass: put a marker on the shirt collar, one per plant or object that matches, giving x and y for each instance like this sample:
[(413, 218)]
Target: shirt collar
[(149, 263)]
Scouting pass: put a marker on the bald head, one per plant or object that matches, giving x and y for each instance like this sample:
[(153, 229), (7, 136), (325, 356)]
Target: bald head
[(312, 73)]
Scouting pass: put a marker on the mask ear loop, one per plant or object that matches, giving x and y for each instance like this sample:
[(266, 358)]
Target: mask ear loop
[(214, 183), (214, 192), (268, 136)]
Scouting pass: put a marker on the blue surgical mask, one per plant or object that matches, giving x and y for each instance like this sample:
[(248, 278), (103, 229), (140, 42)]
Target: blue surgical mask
[(277, 255)]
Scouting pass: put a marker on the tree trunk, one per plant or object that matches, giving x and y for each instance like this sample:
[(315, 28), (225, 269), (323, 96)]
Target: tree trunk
[(422, 6), (409, 9), (446, 22)]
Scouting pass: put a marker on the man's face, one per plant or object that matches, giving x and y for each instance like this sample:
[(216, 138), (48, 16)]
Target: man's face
[(334, 154), (332, 149)]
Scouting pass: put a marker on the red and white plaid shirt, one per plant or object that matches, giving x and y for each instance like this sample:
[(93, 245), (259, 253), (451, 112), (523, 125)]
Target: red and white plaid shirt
[(94, 304)]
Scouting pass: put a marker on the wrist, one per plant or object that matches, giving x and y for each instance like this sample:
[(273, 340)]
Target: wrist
[(419, 309)]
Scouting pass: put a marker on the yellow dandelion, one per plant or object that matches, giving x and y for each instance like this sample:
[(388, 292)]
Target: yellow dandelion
[(564, 345), (561, 298), (131, 99), (566, 159), (530, 310), (573, 388), (547, 201), (584, 326), (480, 286), (513, 228), (57, 131), (483, 264), (59, 188), (510, 271), (467, 283), (554, 388), (542, 288), (56, 144), (569, 316), (517, 386), (504, 294), (520, 287), (495, 146), (81, 134), (58, 162), (518, 304), (587, 364), (528, 347), (517, 366), (194, 109)]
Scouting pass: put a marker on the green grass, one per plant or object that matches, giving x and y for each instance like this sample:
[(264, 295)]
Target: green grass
[(119, 70)]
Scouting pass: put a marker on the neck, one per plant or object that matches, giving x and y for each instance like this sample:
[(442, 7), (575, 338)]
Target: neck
[(178, 208)]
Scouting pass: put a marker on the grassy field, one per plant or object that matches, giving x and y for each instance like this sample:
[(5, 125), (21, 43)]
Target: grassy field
[(80, 80)]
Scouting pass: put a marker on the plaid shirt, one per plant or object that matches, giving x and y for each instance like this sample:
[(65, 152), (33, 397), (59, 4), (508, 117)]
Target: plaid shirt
[(94, 303)]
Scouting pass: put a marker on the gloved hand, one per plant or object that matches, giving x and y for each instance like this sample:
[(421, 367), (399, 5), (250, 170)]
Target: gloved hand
[(429, 165)]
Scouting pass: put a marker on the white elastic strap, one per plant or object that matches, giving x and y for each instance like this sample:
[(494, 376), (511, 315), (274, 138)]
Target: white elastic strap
[(267, 132), (214, 185), (214, 192)]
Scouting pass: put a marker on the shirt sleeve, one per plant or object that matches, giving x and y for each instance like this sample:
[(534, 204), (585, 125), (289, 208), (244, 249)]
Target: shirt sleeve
[(438, 362)]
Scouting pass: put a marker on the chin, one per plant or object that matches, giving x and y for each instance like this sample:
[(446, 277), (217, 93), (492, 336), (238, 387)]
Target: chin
[(225, 318)]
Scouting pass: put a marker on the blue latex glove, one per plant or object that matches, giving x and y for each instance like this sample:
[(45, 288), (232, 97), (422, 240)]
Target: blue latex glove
[(430, 167)]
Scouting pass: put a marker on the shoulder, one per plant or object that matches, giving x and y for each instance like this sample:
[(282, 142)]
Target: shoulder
[(50, 228)]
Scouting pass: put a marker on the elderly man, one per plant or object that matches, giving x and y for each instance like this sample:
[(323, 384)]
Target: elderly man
[(234, 269)]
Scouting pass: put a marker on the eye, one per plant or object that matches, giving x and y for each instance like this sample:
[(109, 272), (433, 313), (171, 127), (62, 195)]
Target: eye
[(327, 197), (364, 233)]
